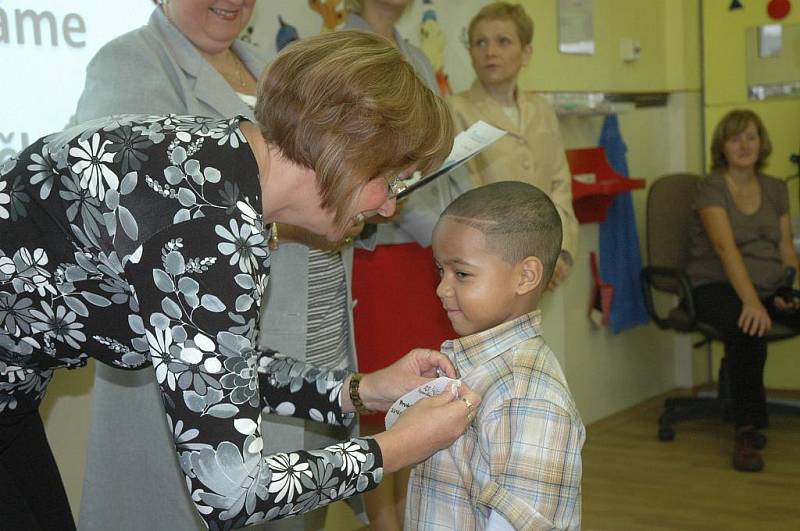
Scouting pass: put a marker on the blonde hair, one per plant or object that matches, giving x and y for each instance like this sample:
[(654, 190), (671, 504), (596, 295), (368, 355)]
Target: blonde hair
[(731, 125), (350, 107), (505, 11)]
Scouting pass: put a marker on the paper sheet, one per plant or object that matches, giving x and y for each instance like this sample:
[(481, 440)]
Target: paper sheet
[(432, 388), (466, 145)]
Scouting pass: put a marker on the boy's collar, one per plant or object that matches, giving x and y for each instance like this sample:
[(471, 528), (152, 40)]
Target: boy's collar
[(476, 349)]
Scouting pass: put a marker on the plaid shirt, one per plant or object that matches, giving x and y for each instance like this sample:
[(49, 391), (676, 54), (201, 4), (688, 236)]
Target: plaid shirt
[(521, 457)]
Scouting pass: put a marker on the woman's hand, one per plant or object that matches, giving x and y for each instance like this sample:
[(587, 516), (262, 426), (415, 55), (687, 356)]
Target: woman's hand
[(427, 427), (754, 319), (380, 389), (784, 305)]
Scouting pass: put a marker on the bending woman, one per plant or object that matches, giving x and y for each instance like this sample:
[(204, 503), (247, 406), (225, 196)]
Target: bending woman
[(187, 59), (741, 244), (167, 263)]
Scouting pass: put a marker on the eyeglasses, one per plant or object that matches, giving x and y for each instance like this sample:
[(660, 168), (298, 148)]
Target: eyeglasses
[(396, 186)]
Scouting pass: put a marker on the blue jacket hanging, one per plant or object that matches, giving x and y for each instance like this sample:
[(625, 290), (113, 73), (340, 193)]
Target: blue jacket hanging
[(620, 258)]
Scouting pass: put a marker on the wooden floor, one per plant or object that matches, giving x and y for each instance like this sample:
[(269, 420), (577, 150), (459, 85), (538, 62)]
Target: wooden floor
[(632, 481)]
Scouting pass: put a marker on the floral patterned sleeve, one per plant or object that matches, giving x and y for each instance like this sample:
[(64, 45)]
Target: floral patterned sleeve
[(199, 324), (287, 383), (139, 240)]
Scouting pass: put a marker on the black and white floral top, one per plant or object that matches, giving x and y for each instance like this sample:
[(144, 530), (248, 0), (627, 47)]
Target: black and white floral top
[(139, 240)]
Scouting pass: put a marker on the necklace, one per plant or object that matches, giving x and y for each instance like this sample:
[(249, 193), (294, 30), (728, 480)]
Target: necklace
[(164, 4), (237, 65), (739, 185), (746, 195)]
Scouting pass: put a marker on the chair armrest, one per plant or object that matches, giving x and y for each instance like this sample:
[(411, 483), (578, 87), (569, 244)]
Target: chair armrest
[(667, 280)]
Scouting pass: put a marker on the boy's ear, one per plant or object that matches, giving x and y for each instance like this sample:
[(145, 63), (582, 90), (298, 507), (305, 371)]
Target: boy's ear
[(531, 272)]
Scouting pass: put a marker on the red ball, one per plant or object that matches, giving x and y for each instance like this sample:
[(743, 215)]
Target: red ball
[(778, 9)]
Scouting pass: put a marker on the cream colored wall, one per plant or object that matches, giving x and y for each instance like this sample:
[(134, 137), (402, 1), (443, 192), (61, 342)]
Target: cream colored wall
[(726, 89), (607, 372)]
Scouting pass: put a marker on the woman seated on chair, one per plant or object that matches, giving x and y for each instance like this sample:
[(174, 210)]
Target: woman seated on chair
[(741, 247)]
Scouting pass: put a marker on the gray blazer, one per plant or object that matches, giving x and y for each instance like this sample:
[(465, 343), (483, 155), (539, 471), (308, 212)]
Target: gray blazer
[(133, 480)]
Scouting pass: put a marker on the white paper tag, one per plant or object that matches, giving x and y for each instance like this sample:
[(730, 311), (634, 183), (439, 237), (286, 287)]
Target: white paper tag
[(432, 388)]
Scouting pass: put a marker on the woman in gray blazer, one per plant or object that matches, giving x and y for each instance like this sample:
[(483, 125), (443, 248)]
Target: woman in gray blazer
[(188, 60)]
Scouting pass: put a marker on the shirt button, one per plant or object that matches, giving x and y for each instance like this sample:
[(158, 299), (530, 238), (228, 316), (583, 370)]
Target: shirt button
[(526, 164)]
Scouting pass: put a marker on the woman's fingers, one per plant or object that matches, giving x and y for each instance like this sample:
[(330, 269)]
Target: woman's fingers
[(471, 401), (466, 392), (433, 363), (764, 323), (462, 403), (755, 325), (429, 425), (754, 321), (444, 364), (746, 321), (752, 324), (760, 325), (461, 409)]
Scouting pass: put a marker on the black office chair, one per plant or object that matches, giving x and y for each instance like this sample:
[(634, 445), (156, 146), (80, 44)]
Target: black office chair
[(669, 210)]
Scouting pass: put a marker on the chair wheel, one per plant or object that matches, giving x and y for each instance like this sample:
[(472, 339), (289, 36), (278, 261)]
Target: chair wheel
[(666, 434)]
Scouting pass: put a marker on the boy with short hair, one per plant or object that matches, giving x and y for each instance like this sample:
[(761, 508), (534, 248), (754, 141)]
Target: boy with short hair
[(519, 465)]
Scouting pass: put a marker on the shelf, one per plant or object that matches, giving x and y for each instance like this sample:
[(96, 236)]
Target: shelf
[(601, 103)]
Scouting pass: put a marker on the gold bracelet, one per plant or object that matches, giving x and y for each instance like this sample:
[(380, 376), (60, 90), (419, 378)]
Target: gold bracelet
[(355, 397), (273, 237)]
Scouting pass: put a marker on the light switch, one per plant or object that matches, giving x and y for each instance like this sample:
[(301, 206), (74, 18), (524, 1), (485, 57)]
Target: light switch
[(629, 50)]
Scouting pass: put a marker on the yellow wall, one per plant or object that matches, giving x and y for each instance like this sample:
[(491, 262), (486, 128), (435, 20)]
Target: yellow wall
[(666, 29), (725, 77), (784, 66), (606, 372), (726, 89)]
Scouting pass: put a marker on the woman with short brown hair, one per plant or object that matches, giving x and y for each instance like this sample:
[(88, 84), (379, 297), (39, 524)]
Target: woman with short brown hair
[(166, 264), (383, 119)]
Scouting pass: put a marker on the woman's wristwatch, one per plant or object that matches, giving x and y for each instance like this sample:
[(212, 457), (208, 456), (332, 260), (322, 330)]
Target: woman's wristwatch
[(273, 237), (355, 397)]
